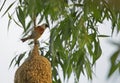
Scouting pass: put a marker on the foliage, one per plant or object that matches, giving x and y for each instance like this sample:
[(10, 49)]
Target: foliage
[(115, 60), (74, 40)]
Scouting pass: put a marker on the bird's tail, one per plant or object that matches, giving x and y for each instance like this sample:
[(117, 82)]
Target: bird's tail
[(24, 39)]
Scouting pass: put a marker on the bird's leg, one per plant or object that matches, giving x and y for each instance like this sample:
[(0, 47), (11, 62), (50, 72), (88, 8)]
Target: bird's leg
[(36, 42)]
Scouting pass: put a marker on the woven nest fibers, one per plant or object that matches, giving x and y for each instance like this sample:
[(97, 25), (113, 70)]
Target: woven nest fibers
[(36, 69)]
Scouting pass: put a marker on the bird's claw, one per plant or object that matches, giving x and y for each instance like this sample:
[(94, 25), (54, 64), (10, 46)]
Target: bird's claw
[(36, 43)]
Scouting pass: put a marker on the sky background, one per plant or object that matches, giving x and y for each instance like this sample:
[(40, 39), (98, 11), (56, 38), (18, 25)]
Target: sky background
[(10, 45)]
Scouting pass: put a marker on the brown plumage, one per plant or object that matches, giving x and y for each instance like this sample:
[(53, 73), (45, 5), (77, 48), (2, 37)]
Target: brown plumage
[(37, 32), (35, 69)]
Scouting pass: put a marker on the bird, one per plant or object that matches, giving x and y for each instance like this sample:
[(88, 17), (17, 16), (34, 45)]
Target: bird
[(36, 33)]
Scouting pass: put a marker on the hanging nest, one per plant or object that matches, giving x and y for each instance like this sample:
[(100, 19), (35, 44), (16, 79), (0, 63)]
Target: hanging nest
[(35, 69)]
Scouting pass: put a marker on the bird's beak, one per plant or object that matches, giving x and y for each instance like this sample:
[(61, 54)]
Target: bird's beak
[(47, 26)]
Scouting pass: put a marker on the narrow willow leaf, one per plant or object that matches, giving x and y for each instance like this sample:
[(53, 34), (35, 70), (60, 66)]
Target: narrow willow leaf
[(88, 69), (90, 47), (28, 31), (2, 5), (16, 22), (12, 61), (113, 19), (52, 39), (69, 69), (10, 16), (21, 17), (31, 42), (28, 25), (114, 57), (97, 52), (9, 22), (114, 65), (8, 8), (20, 58), (38, 4), (113, 68), (103, 36), (54, 73), (20, 1), (78, 70), (78, 5), (78, 60), (41, 19)]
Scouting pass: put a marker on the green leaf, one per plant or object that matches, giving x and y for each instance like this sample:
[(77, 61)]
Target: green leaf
[(17, 23), (90, 47), (20, 58), (38, 4), (103, 36), (12, 61), (114, 57), (28, 25), (10, 18), (114, 64), (69, 70), (89, 70), (9, 23), (113, 68), (21, 17), (41, 19), (78, 60), (2, 5), (55, 73), (8, 8), (97, 51), (20, 1)]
